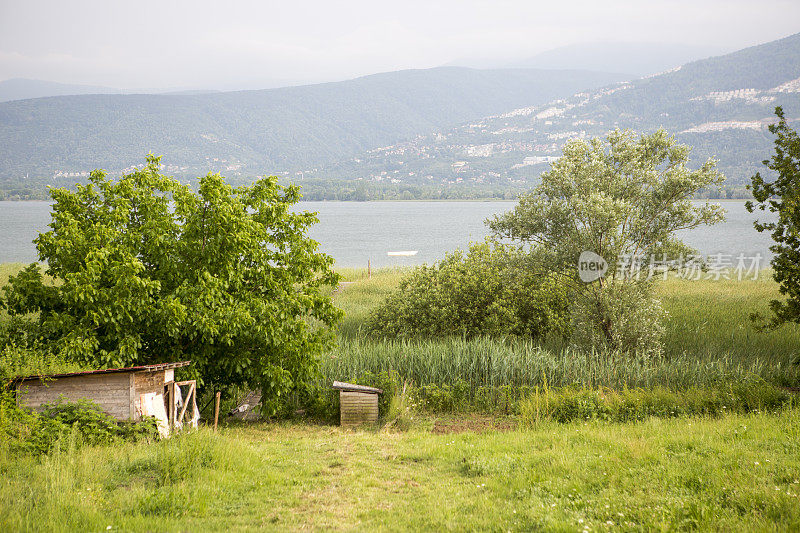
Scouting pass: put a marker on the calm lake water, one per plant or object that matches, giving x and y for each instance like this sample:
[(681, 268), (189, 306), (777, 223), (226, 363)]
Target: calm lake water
[(357, 232)]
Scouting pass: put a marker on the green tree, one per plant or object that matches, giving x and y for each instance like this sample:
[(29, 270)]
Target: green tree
[(622, 197), (782, 197), (148, 271)]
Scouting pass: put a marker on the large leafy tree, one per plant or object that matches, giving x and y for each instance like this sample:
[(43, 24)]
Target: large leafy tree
[(782, 197), (622, 197), (146, 270)]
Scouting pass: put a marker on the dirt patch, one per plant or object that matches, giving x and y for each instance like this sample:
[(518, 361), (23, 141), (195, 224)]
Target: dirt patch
[(472, 422)]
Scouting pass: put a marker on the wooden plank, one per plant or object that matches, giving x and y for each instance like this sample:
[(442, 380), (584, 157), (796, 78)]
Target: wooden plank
[(339, 385), (216, 409), (171, 410), (192, 385), (131, 398), (112, 392), (357, 408)]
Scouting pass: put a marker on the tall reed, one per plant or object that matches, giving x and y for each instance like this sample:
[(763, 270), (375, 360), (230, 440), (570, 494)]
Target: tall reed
[(486, 362)]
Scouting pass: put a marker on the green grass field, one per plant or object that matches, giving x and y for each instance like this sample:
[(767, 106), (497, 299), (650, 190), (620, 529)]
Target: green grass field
[(738, 473), (463, 470)]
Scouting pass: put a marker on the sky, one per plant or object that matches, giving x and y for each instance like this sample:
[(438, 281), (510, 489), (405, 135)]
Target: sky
[(254, 44)]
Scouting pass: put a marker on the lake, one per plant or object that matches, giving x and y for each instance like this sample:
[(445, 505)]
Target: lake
[(357, 232)]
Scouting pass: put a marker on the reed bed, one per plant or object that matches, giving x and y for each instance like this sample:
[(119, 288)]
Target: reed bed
[(709, 340), (493, 363)]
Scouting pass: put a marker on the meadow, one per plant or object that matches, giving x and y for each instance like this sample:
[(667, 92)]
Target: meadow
[(737, 473), (502, 434)]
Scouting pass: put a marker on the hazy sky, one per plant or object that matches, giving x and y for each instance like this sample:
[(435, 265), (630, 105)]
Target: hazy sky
[(233, 44)]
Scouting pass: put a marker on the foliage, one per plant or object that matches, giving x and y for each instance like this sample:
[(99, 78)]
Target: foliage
[(621, 197), (491, 290), (148, 271), (571, 404), (782, 196), (62, 424), (707, 342), (637, 318)]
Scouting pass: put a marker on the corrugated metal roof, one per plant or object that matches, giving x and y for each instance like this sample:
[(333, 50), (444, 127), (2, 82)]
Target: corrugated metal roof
[(141, 368)]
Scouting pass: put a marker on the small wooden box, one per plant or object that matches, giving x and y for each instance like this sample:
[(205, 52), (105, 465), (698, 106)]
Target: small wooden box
[(357, 404)]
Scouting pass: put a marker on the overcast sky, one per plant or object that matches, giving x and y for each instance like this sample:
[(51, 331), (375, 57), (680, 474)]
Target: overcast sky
[(234, 44)]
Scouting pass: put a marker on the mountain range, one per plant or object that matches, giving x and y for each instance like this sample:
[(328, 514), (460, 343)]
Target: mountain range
[(264, 131), (720, 106), (24, 89), (487, 132), (635, 59)]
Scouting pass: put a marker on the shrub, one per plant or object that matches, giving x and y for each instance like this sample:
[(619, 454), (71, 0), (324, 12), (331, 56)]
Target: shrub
[(622, 317), (490, 290), (80, 423), (569, 404)]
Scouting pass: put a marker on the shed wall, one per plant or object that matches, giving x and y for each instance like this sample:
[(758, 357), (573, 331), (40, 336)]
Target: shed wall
[(110, 391), (144, 382), (357, 408)]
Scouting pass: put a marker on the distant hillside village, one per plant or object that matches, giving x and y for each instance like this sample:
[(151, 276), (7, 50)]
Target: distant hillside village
[(440, 146)]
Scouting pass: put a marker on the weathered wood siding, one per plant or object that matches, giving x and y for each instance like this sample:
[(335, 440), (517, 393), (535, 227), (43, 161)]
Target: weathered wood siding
[(110, 391), (144, 382), (357, 408)]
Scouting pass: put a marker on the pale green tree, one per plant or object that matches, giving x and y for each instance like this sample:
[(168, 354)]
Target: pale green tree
[(622, 197)]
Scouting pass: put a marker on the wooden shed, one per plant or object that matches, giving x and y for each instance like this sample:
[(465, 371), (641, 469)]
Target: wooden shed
[(124, 393), (357, 404)]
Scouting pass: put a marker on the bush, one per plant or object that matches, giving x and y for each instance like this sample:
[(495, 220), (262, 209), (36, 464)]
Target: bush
[(81, 424), (622, 317), (491, 290), (569, 404)]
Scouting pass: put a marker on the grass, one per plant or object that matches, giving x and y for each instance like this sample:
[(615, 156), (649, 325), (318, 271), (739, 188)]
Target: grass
[(712, 319), (6, 271), (732, 474), (710, 339), (735, 472), (362, 294)]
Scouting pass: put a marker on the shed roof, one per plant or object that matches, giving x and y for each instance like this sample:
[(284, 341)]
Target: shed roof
[(355, 388), (141, 368)]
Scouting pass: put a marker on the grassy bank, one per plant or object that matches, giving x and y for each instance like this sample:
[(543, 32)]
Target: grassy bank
[(734, 474)]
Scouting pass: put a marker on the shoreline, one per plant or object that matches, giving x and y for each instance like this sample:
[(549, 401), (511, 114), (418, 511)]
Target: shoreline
[(447, 200)]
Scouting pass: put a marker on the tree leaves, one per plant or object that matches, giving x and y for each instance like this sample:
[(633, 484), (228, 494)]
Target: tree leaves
[(149, 271), (782, 197), (619, 197)]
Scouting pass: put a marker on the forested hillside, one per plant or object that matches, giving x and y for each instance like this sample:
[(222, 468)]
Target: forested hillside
[(267, 131), (720, 106)]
